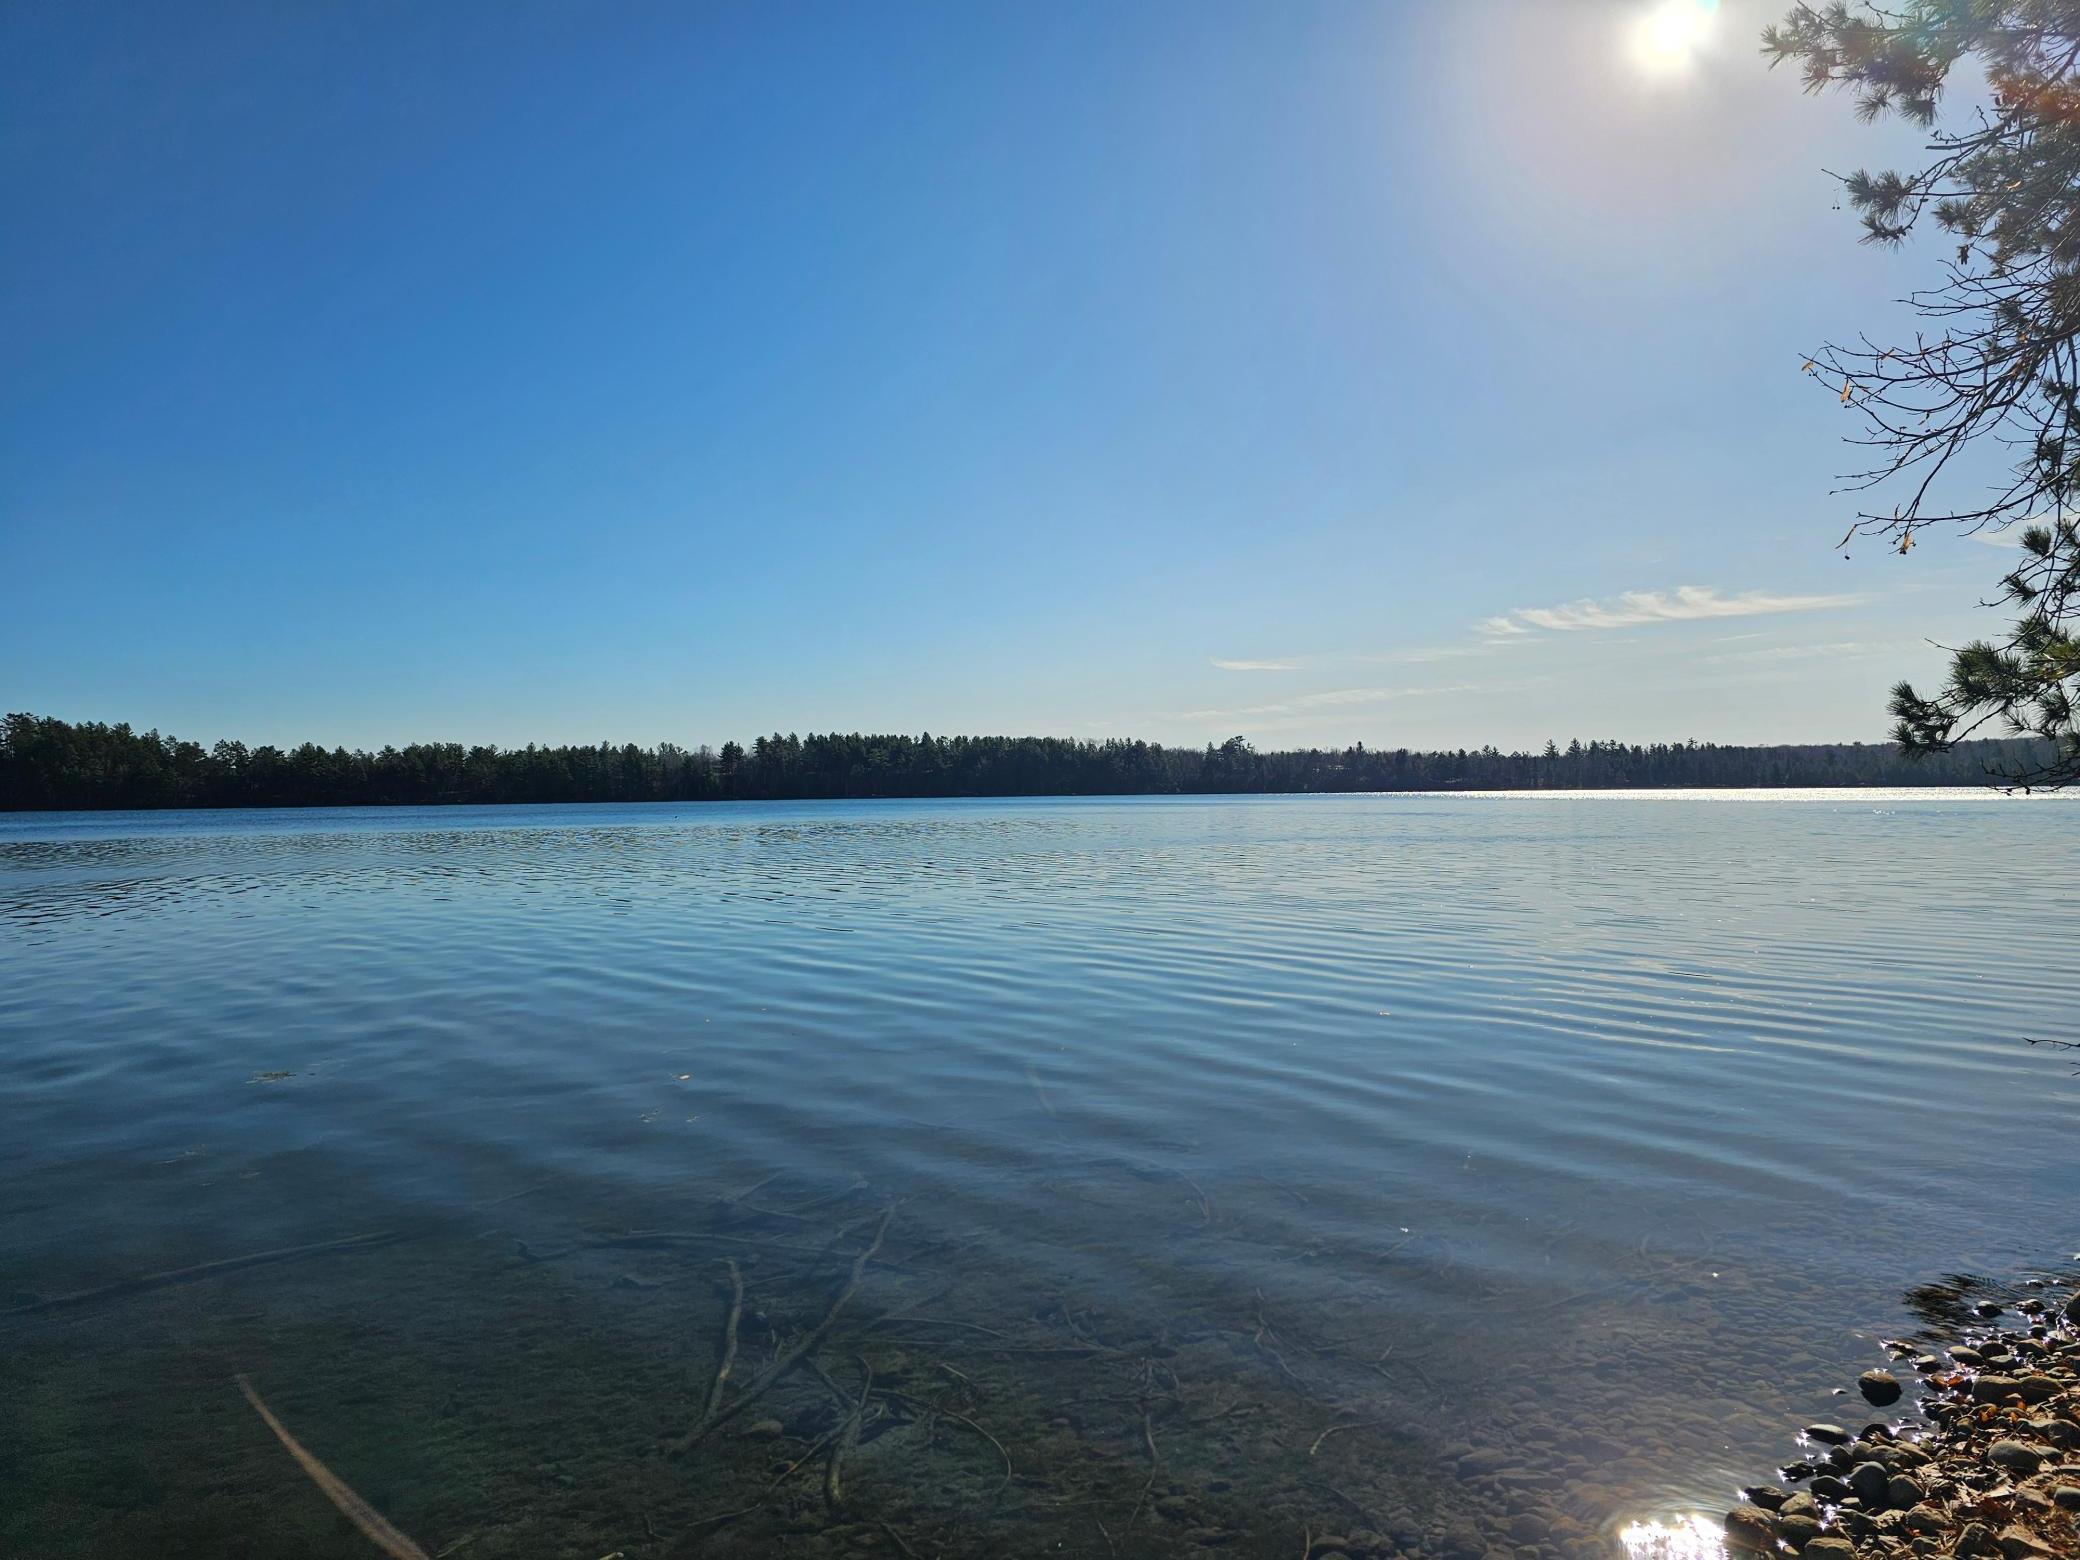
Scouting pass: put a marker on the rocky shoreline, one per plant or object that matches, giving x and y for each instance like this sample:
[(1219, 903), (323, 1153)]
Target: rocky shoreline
[(1985, 1467)]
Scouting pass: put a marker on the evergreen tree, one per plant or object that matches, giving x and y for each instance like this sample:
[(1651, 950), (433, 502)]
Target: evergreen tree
[(1998, 362)]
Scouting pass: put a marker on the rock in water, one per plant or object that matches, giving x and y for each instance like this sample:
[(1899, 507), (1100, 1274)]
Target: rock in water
[(1834, 1435), (1878, 1386), (1749, 1528)]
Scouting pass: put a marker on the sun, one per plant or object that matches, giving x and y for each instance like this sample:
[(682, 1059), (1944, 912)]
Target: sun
[(1667, 38)]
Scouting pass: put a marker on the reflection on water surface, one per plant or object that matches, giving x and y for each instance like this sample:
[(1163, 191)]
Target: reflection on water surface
[(1451, 1177)]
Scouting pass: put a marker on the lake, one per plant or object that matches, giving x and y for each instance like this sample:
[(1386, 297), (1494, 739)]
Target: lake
[(1458, 1176)]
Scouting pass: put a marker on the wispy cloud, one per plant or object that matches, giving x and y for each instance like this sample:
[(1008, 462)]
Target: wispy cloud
[(1683, 604), (1287, 665)]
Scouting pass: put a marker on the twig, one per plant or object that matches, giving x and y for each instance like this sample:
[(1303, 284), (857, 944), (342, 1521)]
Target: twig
[(1264, 1326), (1071, 1351), (936, 1321), (666, 1240), (1205, 1202), (370, 1521), (729, 1342), (1148, 1434), (741, 1196), (1356, 1424), (959, 1418), (848, 1436), (190, 1275), (794, 1353), (858, 1184), (898, 1540), (723, 1518)]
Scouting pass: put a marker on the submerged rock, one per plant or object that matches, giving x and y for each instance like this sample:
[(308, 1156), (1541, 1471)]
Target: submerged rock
[(1878, 1386), (1750, 1528)]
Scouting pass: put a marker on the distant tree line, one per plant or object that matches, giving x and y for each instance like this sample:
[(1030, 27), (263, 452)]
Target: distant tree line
[(48, 763)]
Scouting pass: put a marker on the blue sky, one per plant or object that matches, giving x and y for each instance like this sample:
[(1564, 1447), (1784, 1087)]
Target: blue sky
[(1413, 374)]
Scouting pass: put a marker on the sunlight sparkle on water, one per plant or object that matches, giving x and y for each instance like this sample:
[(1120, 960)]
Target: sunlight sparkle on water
[(1667, 38), (1680, 1538)]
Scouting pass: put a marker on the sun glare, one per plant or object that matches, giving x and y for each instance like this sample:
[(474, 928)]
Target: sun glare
[(1684, 1538), (1667, 38)]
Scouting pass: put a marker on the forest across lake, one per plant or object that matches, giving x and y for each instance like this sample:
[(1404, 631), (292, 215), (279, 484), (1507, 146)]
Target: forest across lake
[(51, 764)]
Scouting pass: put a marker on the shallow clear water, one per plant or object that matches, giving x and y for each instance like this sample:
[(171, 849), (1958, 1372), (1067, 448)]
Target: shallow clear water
[(1560, 1154)]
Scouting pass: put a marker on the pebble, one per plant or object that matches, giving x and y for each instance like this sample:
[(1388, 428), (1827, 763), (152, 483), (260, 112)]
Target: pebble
[(1797, 1531), (1993, 1389), (1834, 1435), (2019, 1543), (1830, 1548), (1484, 1462), (1463, 1541), (1868, 1480), (2068, 1496), (2015, 1456), (1879, 1387)]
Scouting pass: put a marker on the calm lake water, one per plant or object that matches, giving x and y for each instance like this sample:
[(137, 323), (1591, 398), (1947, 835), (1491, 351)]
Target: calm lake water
[(1460, 1175)]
